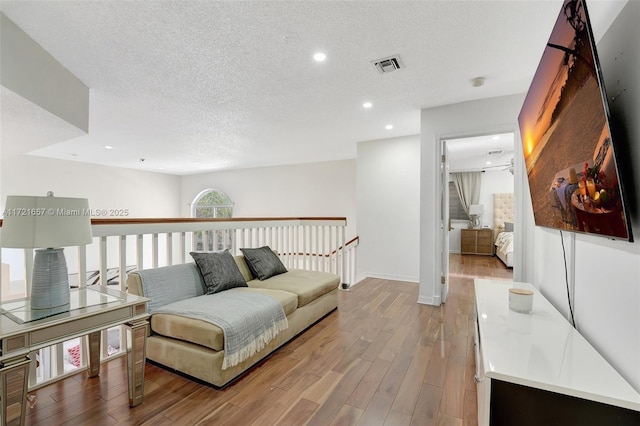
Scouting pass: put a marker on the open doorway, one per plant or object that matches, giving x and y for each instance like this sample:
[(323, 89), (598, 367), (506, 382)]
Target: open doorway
[(480, 188)]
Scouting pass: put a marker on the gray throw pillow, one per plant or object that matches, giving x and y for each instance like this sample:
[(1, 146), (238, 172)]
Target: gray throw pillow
[(219, 271), (508, 227), (263, 262)]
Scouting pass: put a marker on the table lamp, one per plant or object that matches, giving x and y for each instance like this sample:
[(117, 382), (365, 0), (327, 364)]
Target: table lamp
[(47, 224), (475, 211)]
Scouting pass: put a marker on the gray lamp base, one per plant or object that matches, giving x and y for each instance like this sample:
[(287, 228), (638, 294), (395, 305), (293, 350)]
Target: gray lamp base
[(50, 282)]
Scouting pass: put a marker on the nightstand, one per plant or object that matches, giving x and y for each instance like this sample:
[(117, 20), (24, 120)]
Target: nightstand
[(477, 241)]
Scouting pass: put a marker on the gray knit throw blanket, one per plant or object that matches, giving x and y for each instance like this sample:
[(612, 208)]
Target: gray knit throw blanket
[(248, 320)]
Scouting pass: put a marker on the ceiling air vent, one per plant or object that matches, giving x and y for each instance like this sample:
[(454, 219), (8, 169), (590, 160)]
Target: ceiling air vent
[(496, 152), (387, 65)]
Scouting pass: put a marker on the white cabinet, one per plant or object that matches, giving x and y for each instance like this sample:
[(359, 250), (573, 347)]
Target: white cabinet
[(483, 384), (534, 369)]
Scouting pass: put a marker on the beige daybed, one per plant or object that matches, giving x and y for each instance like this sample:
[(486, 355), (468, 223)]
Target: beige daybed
[(195, 347)]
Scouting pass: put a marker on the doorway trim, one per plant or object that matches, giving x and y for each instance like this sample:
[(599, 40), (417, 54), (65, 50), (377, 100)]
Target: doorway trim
[(519, 180)]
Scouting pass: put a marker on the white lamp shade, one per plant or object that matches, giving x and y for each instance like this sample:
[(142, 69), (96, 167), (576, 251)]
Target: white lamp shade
[(476, 209), (45, 222)]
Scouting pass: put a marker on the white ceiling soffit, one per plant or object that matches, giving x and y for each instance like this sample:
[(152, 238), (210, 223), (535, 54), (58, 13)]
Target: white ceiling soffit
[(233, 84)]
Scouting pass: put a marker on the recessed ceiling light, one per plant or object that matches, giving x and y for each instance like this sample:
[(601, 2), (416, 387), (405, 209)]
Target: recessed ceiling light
[(388, 126), (487, 163), (367, 105), (496, 138), (319, 57), (108, 147)]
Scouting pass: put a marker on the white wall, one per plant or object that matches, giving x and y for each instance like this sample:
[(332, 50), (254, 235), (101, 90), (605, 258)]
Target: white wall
[(144, 194), (493, 182), (605, 274), (455, 235), (388, 182), (486, 116), (316, 189)]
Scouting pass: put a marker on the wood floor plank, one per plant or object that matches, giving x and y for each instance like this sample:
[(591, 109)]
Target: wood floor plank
[(197, 405), (348, 416), (380, 358), (363, 393), (427, 406), (221, 415), (438, 364), (328, 410), (380, 404), (454, 384), (300, 413), (392, 346), (376, 347), (396, 306), (444, 420), (287, 400), (409, 391), (395, 418), (356, 351), (470, 408), (321, 390)]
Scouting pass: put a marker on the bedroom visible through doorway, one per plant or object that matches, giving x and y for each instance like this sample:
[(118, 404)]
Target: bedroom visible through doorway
[(481, 205)]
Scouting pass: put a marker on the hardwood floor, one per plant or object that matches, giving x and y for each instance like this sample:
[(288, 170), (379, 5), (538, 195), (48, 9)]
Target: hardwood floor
[(380, 359)]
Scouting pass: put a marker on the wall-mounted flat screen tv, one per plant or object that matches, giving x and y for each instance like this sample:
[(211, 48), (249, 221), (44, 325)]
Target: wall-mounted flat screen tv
[(566, 137)]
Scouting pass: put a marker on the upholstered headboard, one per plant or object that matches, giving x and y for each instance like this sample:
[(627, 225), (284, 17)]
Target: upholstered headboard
[(502, 209)]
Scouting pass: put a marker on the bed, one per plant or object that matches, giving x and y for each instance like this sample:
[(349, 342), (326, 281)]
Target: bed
[(503, 227)]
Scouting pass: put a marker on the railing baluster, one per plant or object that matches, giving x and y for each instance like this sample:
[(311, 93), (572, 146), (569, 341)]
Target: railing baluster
[(154, 250), (183, 246), (169, 245), (139, 252), (82, 266), (304, 250), (103, 261), (278, 246), (322, 248), (296, 241), (122, 264), (343, 251)]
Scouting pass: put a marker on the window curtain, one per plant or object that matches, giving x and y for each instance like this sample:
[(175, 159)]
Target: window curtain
[(468, 187)]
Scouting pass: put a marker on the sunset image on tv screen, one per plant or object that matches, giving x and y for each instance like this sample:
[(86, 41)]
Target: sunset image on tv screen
[(566, 139)]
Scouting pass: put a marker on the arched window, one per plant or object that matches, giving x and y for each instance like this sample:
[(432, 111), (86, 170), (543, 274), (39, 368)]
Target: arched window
[(212, 203)]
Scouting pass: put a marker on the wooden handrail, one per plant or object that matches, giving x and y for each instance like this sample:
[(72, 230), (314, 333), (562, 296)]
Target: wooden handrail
[(146, 220), (351, 241), (133, 221)]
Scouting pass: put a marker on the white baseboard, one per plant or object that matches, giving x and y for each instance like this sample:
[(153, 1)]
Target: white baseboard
[(389, 277), (426, 300)]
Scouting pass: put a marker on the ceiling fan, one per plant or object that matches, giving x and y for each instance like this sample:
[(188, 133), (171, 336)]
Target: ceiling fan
[(502, 167)]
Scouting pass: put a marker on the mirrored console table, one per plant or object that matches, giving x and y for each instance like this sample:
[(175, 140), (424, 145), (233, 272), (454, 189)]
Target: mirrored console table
[(23, 330)]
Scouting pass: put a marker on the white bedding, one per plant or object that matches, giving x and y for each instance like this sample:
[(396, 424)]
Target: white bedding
[(504, 248), (504, 242)]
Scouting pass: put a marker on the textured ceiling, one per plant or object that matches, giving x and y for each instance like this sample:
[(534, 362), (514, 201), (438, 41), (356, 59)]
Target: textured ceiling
[(192, 86)]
